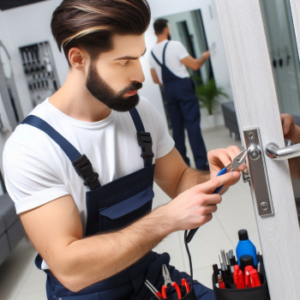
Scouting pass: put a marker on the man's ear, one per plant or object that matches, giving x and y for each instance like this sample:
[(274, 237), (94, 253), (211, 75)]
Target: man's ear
[(77, 58)]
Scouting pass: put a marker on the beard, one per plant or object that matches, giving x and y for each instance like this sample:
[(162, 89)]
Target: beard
[(169, 37), (104, 93)]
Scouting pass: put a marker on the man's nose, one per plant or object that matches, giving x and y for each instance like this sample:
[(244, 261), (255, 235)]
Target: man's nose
[(137, 73)]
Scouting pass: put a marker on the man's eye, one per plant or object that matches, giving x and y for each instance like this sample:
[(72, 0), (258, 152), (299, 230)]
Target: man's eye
[(123, 64)]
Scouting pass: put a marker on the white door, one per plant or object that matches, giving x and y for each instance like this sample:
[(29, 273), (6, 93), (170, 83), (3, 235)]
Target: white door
[(257, 107)]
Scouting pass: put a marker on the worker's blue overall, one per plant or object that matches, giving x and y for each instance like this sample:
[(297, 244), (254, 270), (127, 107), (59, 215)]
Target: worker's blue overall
[(184, 111), (111, 207)]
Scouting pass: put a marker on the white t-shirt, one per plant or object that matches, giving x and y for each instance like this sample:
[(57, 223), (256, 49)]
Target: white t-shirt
[(175, 52), (37, 171)]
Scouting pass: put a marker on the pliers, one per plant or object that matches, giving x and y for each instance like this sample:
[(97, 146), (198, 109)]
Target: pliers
[(153, 290), (185, 286), (168, 281), (233, 166), (236, 163)]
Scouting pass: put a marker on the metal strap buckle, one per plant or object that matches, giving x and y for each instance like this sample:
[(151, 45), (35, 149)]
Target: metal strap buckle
[(85, 170)]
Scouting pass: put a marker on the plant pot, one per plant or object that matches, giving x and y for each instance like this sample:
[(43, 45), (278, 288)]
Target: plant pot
[(211, 121)]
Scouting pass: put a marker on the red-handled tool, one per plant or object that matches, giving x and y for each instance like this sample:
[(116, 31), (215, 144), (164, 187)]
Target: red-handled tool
[(241, 280), (255, 282), (221, 282), (248, 283), (186, 285), (238, 278), (168, 281), (153, 290)]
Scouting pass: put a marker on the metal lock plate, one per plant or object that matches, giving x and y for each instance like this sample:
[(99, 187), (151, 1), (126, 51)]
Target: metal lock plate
[(257, 171)]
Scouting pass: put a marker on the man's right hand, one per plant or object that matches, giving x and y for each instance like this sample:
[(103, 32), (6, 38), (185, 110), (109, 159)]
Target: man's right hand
[(194, 207), (206, 55), (195, 63)]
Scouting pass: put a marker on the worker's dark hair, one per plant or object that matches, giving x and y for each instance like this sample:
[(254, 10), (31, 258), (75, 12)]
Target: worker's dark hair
[(90, 24), (160, 25)]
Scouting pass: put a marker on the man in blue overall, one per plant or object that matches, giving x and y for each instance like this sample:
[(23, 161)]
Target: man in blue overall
[(80, 168), (168, 61)]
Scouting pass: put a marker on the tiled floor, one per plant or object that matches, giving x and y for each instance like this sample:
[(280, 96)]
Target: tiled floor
[(20, 280)]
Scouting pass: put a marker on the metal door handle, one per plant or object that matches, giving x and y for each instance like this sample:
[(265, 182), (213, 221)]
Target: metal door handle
[(276, 153)]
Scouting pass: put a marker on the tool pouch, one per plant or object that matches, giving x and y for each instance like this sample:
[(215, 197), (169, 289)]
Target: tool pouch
[(231, 293), (190, 296)]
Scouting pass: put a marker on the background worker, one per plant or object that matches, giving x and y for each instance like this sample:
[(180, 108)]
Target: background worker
[(169, 60), (75, 172)]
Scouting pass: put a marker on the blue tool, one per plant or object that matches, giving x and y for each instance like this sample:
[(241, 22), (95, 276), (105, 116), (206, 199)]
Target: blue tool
[(236, 163)]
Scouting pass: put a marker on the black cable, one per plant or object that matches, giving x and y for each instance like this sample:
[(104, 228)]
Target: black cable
[(189, 255)]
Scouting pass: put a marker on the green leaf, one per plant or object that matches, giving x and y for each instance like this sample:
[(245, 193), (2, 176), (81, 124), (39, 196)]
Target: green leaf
[(208, 94)]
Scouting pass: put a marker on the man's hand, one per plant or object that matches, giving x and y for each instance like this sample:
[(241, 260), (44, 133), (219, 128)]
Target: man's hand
[(195, 63), (220, 158), (206, 55), (290, 130), (194, 207)]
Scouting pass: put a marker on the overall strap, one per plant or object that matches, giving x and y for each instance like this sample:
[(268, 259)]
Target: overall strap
[(144, 138), (80, 162), (164, 53), (156, 59)]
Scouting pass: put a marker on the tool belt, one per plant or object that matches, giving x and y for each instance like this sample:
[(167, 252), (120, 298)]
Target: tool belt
[(190, 295)]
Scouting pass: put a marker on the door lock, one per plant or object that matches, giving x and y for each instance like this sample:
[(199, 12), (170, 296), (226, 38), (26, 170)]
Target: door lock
[(246, 176), (254, 152), (257, 175)]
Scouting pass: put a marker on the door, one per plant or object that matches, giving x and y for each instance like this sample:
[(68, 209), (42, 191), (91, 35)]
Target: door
[(256, 103)]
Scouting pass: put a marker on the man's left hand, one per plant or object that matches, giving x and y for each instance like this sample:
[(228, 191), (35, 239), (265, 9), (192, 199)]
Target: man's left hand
[(220, 158)]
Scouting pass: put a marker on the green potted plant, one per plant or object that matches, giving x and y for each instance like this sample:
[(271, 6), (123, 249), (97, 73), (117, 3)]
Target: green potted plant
[(208, 95)]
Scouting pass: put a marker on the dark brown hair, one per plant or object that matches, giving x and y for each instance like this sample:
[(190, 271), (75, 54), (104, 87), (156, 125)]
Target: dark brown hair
[(160, 25), (90, 24)]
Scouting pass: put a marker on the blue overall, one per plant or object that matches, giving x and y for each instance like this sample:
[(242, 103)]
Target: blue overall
[(111, 207), (184, 111)]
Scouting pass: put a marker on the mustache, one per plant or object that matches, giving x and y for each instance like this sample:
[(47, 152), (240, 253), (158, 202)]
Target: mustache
[(133, 87)]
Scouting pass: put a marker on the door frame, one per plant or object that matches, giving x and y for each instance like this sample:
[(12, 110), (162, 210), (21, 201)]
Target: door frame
[(257, 106)]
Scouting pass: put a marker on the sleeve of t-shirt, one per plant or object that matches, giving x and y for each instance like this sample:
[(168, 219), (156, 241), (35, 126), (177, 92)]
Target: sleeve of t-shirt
[(180, 50), (164, 141), (29, 177)]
